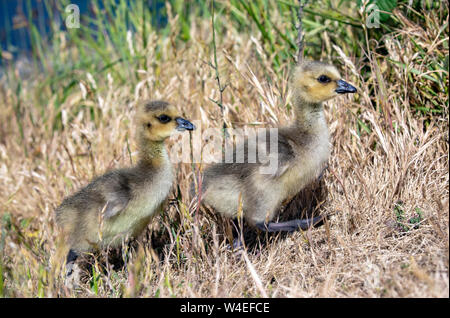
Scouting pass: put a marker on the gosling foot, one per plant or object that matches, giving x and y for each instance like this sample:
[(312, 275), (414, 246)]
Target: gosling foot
[(290, 226)]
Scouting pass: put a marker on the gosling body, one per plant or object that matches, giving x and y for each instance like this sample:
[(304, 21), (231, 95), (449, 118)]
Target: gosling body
[(303, 149), (91, 216), (118, 205)]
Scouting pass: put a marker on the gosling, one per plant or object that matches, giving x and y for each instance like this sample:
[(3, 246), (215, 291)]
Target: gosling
[(118, 205), (302, 154)]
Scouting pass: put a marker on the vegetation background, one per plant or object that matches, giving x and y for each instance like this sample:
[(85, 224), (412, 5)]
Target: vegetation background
[(66, 116)]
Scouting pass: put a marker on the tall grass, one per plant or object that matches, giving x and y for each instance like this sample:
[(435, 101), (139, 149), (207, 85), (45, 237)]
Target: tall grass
[(98, 47), (70, 119)]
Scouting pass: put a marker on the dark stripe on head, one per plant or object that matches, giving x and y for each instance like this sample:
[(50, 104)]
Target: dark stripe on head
[(313, 65), (155, 105)]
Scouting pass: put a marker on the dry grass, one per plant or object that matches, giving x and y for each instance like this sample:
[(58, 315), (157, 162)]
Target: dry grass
[(364, 250)]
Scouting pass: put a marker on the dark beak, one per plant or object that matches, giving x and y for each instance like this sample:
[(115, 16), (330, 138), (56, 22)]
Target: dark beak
[(184, 124), (344, 87)]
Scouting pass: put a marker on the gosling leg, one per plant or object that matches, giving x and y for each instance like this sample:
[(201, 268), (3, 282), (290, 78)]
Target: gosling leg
[(322, 172), (70, 261), (290, 226), (238, 243)]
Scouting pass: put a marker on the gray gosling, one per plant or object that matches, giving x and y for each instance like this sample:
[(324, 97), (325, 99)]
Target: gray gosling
[(118, 205), (303, 152)]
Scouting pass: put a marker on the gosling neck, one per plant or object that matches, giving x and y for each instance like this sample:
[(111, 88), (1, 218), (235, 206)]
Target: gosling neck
[(309, 117), (152, 153)]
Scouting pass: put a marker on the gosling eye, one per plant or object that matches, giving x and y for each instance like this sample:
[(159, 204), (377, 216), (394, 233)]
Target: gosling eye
[(164, 119), (148, 125), (324, 79)]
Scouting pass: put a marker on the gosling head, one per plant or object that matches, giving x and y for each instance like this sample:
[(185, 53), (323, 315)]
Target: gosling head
[(158, 120), (316, 82)]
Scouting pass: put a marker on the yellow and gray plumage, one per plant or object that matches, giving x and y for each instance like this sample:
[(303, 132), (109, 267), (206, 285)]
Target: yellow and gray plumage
[(119, 204), (302, 152)]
